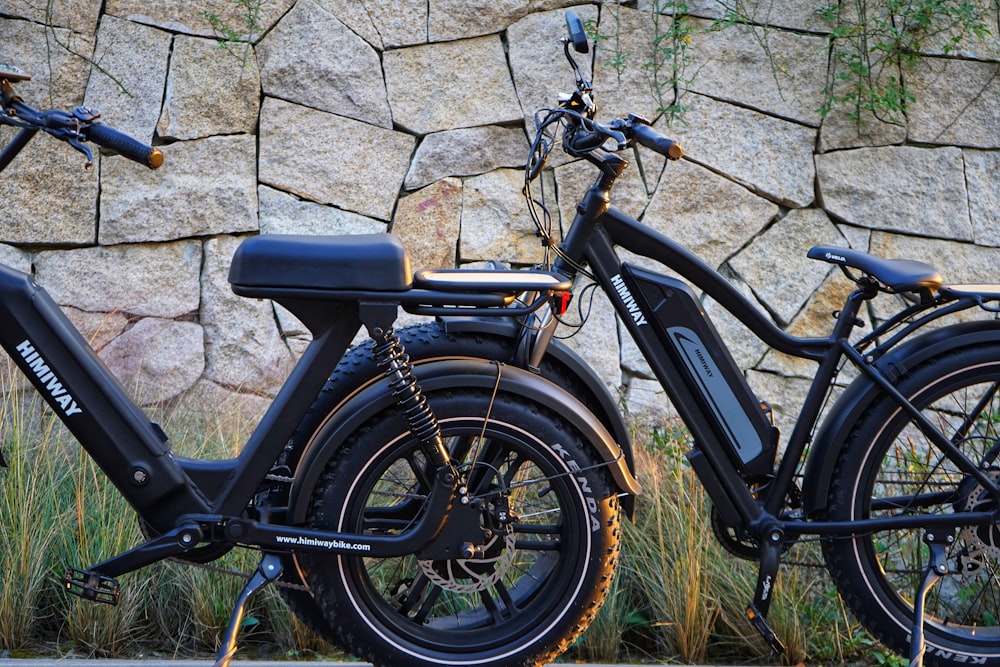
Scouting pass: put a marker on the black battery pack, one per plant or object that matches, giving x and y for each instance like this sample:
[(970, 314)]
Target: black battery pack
[(707, 370)]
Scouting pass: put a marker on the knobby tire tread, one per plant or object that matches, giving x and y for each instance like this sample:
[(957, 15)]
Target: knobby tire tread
[(852, 464), (353, 633)]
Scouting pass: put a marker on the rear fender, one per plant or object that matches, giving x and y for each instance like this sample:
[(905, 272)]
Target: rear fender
[(863, 392), (609, 411), (452, 374)]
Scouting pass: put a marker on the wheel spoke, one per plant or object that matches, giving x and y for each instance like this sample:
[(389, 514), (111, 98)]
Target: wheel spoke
[(491, 606), (461, 448), (433, 593), (531, 579), (975, 413), (421, 471), (538, 537), (508, 600), (414, 594), (893, 469)]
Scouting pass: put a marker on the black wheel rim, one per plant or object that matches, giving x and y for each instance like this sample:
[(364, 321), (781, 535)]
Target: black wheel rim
[(423, 605), (914, 478)]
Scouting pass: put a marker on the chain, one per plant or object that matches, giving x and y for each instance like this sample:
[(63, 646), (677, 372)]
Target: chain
[(279, 479), (229, 571)]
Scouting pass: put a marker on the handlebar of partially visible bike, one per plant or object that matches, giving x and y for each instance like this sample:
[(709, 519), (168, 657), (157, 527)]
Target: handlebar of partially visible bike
[(589, 134), (80, 124)]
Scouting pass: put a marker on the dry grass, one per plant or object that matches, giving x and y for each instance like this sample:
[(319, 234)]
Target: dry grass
[(57, 510), (678, 595)]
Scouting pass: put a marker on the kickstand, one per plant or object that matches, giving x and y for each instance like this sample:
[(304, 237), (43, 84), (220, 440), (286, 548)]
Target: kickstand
[(268, 570), (938, 541), (770, 558)]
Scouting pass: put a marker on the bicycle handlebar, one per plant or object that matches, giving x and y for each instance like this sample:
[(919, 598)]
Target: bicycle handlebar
[(124, 145), (80, 124), (650, 138), (588, 135)]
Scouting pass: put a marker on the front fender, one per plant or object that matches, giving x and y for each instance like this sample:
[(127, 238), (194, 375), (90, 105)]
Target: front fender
[(863, 392), (452, 374)]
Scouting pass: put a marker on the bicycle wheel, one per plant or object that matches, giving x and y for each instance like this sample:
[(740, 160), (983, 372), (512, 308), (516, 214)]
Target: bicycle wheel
[(889, 468), (539, 575), (423, 342)]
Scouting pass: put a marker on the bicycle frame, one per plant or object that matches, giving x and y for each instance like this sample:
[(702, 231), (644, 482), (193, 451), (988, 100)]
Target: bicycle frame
[(133, 451), (591, 240)]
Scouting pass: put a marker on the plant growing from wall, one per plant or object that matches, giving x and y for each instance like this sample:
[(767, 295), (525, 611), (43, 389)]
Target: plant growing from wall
[(875, 43), (237, 40), (67, 43), (671, 41), (666, 66)]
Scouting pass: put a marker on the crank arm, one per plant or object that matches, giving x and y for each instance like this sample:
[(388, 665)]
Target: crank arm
[(167, 545)]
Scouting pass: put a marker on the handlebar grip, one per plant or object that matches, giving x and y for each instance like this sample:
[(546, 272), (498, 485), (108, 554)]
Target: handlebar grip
[(123, 144), (653, 140)]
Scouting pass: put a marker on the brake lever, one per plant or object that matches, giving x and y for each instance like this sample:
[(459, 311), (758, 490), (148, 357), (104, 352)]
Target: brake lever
[(75, 143), (66, 126), (610, 131), (586, 139)]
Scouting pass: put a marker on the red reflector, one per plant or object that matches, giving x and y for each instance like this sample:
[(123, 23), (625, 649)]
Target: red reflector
[(560, 302)]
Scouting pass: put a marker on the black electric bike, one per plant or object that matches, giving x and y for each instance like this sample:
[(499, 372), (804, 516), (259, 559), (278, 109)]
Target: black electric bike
[(452, 495), (470, 519)]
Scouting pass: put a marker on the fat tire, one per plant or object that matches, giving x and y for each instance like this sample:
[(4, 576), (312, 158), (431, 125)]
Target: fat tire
[(886, 456), (534, 613), (357, 369)]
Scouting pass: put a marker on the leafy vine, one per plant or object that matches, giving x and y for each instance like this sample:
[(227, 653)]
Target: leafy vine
[(670, 56), (237, 41), (873, 45)]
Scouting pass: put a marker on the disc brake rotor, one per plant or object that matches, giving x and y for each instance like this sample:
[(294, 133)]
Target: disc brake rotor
[(471, 575), (982, 543)]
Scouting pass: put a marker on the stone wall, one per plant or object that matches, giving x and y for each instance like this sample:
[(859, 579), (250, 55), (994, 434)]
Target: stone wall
[(411, 116)]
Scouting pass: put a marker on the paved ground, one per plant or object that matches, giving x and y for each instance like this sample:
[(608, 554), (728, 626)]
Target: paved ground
[(76, 662), (160, 662)]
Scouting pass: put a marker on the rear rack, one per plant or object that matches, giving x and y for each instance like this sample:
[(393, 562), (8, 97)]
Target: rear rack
[(980, 293), (462, 280), (440, 292), (450, 291)]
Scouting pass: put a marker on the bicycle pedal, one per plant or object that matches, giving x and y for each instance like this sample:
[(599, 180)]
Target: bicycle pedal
[(760, 624), (91, 586)]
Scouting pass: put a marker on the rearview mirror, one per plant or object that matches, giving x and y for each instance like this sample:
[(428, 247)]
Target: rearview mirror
[(577, 35)]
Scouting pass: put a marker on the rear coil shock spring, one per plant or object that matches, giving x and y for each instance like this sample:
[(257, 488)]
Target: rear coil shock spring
[(392, 359)]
